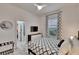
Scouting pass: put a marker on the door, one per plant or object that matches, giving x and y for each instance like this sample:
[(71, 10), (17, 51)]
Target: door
[(21, 38), (20, 30)]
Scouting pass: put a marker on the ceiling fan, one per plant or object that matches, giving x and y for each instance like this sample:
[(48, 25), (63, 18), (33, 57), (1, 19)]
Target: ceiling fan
[(39, 6)]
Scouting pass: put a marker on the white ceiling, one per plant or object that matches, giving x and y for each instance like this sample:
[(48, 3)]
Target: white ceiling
[(31, 8)]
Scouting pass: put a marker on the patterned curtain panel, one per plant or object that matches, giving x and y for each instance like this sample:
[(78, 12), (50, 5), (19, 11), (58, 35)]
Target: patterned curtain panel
[(59, 36)]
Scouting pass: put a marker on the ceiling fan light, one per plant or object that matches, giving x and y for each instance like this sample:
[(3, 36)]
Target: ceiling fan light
[(39, 7)]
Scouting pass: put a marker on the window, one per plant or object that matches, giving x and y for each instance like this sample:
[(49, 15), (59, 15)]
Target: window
[(52, 25)]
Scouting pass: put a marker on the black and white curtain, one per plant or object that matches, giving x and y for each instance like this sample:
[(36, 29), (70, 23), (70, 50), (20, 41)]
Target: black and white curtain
[(59, 36)]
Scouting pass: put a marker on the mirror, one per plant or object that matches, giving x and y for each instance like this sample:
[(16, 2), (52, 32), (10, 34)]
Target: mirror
[(5, 25)]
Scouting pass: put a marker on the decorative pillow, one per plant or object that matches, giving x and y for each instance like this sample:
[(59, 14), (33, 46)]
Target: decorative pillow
[(60, 43)]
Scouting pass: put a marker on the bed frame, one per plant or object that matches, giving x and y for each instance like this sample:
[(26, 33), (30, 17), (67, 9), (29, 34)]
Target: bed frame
[(30, 36)]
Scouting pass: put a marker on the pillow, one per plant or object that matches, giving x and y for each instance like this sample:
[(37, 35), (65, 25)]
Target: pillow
[(60, 43)]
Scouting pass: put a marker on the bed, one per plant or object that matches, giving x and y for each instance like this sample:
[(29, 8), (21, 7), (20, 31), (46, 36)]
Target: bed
[(6, 48), (39, 45)]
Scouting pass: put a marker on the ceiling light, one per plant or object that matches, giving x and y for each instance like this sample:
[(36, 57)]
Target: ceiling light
[(39, 6)]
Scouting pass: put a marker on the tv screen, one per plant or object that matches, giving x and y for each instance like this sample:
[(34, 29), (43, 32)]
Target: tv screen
[(34, 28)]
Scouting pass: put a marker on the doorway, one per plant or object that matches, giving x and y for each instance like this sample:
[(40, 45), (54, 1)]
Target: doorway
[(21, 38), (20, 30)]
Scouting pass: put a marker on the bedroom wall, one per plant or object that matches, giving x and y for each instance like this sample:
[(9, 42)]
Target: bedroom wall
[(13, 13), (70, 21)]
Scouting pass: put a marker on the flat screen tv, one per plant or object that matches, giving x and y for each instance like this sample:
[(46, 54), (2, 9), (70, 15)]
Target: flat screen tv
[(34, 28)]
